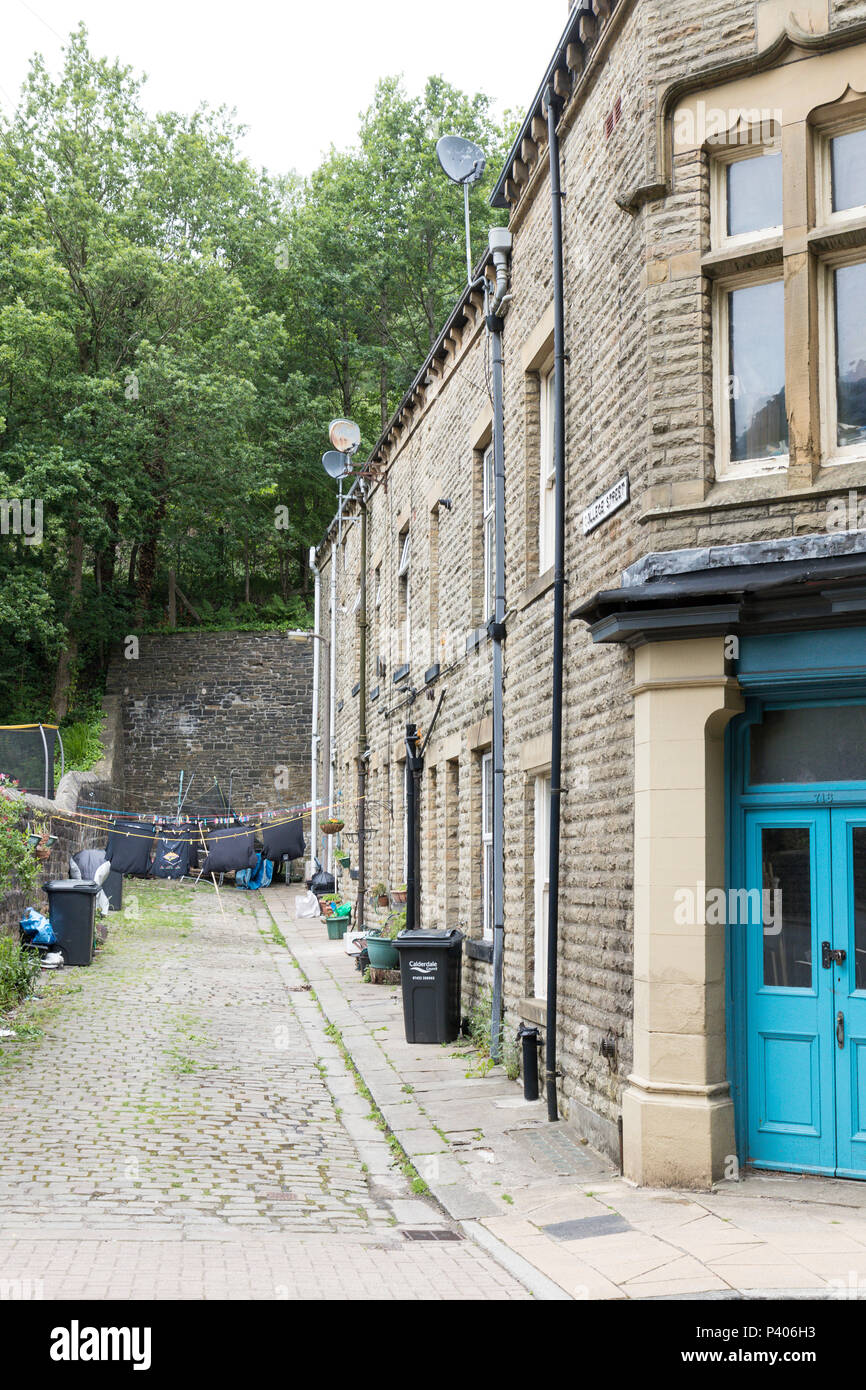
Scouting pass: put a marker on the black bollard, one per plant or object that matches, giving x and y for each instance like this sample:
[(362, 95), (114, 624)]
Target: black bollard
[(530, 1042)]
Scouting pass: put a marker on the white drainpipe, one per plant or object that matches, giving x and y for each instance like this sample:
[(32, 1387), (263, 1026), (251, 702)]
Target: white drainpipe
[(314, 739)]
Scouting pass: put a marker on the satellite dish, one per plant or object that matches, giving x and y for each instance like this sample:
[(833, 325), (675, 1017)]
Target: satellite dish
[(335, 464), (461, 160), (345, 435)]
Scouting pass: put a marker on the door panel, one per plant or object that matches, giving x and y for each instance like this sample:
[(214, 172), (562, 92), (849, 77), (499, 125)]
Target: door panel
[(849, 981), (785, 913)]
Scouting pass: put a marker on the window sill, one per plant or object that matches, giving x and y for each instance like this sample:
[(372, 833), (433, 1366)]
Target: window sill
[(478, 950), (538, 587), (842, 234), (533, 1011), (730, 493), (401, 673), (732, 260)]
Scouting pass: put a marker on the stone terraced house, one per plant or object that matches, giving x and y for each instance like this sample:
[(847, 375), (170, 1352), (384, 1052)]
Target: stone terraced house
[(712, 910)]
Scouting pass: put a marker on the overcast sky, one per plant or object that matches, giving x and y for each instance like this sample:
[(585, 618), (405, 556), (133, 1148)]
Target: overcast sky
[(298, 73)]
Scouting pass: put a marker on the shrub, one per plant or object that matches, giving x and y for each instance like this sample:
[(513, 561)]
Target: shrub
[(18, 864), (18, 971)]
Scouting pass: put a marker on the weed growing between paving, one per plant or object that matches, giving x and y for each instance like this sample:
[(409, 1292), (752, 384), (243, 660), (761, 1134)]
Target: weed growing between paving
[(478, 1035), (408, 1169)]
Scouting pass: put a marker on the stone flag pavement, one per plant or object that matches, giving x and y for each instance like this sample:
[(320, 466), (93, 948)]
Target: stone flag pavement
[(512, 1179), (175, 1123)]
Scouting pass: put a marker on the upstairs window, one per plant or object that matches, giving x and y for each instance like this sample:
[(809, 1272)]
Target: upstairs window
[(748, 196), (845, 289), (403, 597), (547, 476), (488, 526), (848, 171), (842, 285), (748, 314), (757, 422)]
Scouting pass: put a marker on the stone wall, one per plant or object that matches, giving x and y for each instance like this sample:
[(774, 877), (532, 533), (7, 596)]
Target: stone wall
[(212, 702), (71, 837)]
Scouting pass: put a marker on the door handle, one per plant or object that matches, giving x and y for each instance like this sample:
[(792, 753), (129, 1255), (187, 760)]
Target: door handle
[(828, 955), (840, 1029)]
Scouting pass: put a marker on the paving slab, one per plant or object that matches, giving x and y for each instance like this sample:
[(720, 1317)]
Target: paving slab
[(541, 1196)]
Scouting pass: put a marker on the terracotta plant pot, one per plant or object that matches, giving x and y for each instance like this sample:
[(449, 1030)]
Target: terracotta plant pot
[(398, 897)]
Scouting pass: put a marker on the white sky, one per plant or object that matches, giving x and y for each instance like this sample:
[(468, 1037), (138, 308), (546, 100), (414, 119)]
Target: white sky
[(298, 74)]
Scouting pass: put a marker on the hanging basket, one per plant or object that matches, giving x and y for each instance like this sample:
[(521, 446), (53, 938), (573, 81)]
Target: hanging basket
[(331, 827)]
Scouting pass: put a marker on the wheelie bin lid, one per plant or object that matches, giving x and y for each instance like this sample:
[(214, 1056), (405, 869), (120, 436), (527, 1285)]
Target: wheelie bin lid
[(71, 885), (427, 937)]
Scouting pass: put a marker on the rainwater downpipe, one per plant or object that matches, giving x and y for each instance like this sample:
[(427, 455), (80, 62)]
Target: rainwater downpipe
[(315, 739), (550, 1071), (500, 246), (363, 749)]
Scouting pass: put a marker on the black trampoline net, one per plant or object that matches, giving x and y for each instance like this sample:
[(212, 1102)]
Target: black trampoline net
[(23, 756)]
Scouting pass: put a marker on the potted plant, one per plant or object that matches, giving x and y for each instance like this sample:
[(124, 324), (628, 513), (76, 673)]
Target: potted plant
[(399, 894), (331, 826), (379, 894), (343, 859), (380, 947), (41, 838), (339, 920)]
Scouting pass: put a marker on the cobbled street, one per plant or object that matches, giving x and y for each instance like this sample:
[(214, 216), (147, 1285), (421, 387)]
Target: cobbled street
[(176, 1122)]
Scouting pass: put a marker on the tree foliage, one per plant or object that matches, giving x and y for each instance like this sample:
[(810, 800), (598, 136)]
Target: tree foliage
[(176, 330)]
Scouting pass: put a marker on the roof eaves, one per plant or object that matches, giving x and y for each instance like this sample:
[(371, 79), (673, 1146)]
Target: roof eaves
[(582, 7)]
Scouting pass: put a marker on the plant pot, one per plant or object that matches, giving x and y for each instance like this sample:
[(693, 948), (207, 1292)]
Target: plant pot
[(331, 827), (398, 897), (344, 860), (383, 953), (382, 900), (337, 928)]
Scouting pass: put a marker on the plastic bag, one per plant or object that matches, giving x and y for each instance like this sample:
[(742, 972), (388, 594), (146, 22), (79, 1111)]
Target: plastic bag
[(322, 883), (36, 929), (307, 905)]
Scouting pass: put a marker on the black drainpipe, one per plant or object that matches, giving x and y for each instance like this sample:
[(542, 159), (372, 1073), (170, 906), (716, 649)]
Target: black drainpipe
[(550, 1072)]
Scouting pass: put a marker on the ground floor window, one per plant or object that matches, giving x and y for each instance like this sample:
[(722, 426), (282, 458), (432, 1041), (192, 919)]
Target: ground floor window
[(487, 845), (542, 883)]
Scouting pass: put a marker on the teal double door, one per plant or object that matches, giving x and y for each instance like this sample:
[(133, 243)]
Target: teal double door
[(802, 916)]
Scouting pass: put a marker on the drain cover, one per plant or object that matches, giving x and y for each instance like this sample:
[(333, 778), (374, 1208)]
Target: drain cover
[(432, 1235), (585, 1227), (553, 1150)]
